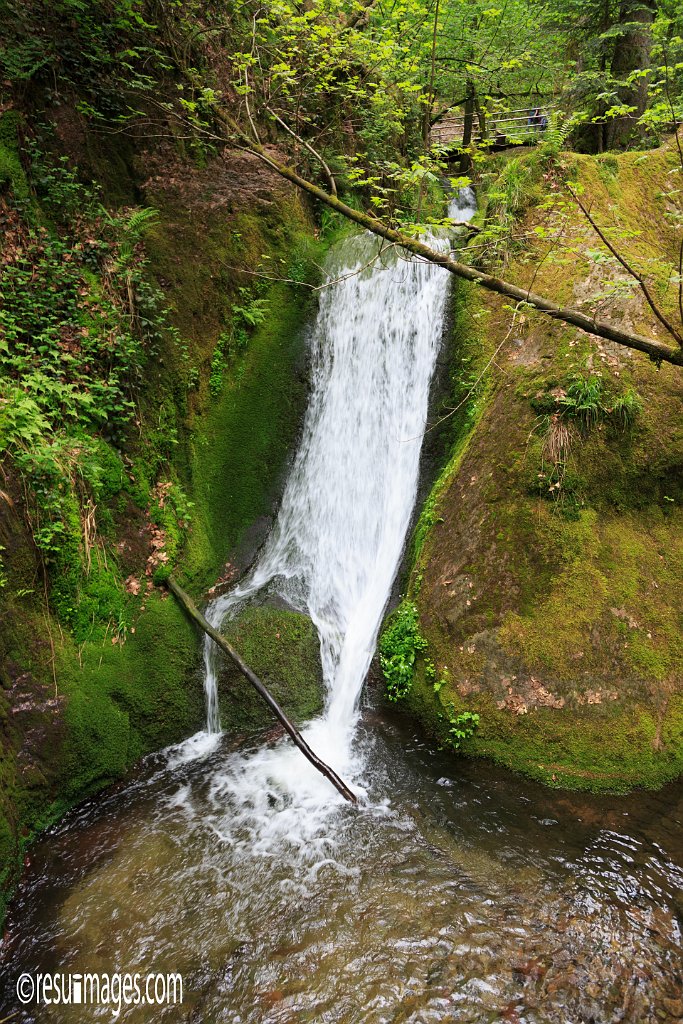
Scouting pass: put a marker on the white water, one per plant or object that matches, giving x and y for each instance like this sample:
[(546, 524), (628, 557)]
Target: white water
[(338, 539)]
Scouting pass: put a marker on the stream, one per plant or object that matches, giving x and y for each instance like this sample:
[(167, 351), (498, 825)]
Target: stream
[(456, 892)]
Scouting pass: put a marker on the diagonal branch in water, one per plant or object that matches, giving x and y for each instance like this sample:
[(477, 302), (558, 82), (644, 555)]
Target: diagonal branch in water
[(190, 607)]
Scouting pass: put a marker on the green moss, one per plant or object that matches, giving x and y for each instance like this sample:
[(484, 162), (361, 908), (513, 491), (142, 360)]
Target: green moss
[(282, 647), (126, 699), (557, 617), (238, 456), (555, 632), (198, 471), (111, 704), (11, 170), (610, 748), (462, 407)]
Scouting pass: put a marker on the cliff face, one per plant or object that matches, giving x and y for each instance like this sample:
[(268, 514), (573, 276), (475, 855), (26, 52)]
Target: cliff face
[(98, 665), (548, 561)]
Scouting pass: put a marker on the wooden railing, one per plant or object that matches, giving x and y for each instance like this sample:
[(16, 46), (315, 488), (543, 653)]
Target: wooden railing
[(508, 127)]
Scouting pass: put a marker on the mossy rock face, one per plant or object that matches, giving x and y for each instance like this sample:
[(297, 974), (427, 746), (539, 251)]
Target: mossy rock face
[(283, 649), (124, 701), (554, 610)]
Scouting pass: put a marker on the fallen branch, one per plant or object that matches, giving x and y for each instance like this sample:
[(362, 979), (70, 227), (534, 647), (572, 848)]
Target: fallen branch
[(194, 613), (657, 351)]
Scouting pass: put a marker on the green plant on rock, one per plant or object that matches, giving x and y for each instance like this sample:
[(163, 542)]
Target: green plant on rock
[(130, 231), (218, 363), (584, 400), (557, 132), (566, 413), (247, 314), (61, 194), (461, 727), (398, 648), (79, 321), (587, 401), (251, 310), (506, 201), (626, 409)]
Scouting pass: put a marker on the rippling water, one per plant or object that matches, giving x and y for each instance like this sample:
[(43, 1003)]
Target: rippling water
[(460, 894)]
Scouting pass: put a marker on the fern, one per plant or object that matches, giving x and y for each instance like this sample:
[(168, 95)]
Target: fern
[(132, 230), (139, 219), (584, 400), (557, 132)]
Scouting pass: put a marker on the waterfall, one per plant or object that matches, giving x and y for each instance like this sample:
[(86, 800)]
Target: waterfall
[(336, 546), (463, 206)]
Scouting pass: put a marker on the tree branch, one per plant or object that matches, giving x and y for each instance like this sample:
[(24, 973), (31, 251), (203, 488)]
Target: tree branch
[(309, 147), (190, 607), (657, 351), (636, 275)]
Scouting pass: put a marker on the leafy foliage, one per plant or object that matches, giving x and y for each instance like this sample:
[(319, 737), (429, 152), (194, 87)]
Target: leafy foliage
[(79, 321), (398, 648), (461, 727), (587, 401), (103, 49)]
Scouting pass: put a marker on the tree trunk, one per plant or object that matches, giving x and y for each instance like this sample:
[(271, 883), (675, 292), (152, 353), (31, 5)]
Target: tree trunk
[(481, 117), (631, 53), (465, 159)]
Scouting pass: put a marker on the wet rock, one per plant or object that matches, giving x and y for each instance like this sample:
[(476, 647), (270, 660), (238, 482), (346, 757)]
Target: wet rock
[(282, 648)]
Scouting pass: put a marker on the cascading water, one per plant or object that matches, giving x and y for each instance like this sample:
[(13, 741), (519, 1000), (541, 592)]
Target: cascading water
[(338, 539), (463, 205)]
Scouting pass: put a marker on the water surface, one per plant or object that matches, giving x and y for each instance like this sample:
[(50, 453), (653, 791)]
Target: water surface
[(461, 893)]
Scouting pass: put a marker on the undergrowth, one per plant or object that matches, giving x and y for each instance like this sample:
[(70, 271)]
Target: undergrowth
[(568, 412), (80, 322), (246, 315)]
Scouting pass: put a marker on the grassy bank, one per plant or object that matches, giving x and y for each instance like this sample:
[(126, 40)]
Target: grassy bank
[(98, 665)]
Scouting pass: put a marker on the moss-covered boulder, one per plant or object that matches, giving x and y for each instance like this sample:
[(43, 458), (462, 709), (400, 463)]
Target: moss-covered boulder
[(548, 561), (283, 649)]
